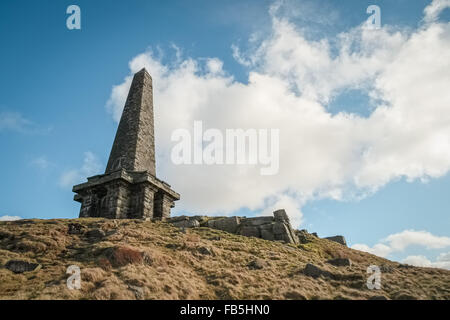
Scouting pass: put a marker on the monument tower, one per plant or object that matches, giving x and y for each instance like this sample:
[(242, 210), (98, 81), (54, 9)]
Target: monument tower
[(129, 188)]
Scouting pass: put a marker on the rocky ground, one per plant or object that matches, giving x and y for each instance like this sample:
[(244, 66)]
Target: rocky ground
[(132, 259)]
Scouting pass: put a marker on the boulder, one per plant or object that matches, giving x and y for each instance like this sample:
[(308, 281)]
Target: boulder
[(283, 231), (205, 251), (338, 239), (19, 266), (229, 224), (302, 236), (249, 231), (95, 233), (256, 264), (258, 221), (281, 215), (267, 234), (186, 223), (75, 228), (340, 262), (312, 271)]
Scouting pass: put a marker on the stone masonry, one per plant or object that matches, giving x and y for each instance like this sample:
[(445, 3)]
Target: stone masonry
[(129, 187)]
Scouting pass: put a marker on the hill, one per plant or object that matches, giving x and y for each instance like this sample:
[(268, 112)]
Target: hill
[(134, 259)]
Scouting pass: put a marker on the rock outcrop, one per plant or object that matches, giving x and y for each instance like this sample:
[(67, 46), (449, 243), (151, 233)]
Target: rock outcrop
[(276, 228), (338, 239)]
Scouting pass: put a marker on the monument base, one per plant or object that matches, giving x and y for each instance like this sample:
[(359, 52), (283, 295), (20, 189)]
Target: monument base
[(125, 195)]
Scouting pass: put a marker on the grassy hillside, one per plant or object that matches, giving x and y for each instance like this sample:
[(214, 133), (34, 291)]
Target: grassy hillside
[(132, 259)]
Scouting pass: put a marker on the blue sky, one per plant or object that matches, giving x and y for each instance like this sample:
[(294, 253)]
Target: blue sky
[(56, 83)]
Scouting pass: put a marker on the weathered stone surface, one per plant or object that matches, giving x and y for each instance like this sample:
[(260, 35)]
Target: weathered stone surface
[(138, 291), (312, 271), (129, 188), (338, 239), (256, 264), (205, 251), (229, 224), (19, 266), (184, 222), (267, 234), (95, 233), (385, 268), (259, 221), (281, 215), (75, 228), (249, 231), (340, 262), (265, 227), (302, 236)]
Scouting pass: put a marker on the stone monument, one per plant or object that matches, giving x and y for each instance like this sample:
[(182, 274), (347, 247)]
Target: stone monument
[(129, 188)]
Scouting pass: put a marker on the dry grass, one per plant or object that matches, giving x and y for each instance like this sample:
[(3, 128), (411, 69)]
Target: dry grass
[(145, 260)]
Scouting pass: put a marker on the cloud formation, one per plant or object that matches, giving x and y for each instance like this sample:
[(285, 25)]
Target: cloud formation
[(10, 218), (398, 242), (291, 81), (442, 261), (91, 166)]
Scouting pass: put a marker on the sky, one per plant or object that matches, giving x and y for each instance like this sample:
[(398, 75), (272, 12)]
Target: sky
[(363, 112)]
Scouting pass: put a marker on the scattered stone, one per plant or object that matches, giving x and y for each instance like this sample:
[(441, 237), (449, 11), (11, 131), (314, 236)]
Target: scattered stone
[(138, 292), (385, 268), (256, 264), (19, 266), (302, 236), (340, 262), (215, 238), (312, 271), (95, 233), (205, 251), (315, 234), (75, 228), (338, 239)]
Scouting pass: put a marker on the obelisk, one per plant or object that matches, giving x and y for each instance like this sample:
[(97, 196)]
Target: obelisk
[(129, 187)]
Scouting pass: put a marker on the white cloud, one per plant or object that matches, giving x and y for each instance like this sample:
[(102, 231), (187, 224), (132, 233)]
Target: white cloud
[(379, 249), (291, 80), (91, 166), (443, 261), (399, 242), (40, 162), (10, 218), (433, 10), (14, 121)]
